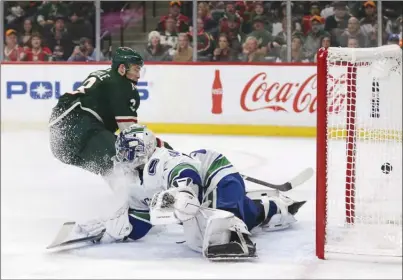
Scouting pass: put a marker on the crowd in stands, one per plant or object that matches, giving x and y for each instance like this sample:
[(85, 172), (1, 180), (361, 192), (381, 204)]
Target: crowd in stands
[(49, 31), (256, 31), (246, 31)]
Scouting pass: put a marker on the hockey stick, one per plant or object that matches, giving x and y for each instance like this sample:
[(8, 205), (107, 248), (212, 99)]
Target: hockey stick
[(62, 238), (301, 178)]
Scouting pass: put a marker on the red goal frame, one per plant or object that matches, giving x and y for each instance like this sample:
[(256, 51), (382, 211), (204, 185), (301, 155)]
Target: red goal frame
[(321, 146)]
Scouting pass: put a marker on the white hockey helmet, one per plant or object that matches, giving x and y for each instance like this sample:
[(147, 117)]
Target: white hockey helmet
[(135, 144)]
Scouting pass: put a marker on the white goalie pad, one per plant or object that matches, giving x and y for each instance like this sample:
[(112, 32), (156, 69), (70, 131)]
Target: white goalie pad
[(211, 227)]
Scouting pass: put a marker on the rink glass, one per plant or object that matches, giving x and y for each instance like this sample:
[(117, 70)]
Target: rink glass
[(131, 23)]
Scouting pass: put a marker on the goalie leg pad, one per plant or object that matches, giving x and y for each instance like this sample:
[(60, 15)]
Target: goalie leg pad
[(218, 234)]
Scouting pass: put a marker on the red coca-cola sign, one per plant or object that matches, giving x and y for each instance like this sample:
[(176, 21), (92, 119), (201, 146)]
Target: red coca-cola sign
[(261, 93)]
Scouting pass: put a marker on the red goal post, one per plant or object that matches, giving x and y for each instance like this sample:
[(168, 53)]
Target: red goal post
[(359, 151)]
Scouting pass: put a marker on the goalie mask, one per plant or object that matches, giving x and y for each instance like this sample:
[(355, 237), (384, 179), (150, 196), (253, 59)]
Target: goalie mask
[(135, 145)]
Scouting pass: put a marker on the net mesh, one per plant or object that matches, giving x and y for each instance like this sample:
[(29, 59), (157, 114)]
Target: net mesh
[(364, 151)]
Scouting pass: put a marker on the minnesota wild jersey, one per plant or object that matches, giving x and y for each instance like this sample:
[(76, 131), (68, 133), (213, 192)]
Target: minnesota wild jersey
[(112, 99)]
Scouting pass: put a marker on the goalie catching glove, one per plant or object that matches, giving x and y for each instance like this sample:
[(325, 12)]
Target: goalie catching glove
[(175, 205)]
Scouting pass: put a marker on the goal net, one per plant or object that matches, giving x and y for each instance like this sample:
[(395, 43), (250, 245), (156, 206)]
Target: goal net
[(359, 151)]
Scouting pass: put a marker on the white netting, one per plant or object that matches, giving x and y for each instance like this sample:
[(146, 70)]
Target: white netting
[(364, 119)]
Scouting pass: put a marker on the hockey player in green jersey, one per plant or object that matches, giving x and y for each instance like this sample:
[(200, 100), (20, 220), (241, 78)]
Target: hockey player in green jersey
[(83, 123)]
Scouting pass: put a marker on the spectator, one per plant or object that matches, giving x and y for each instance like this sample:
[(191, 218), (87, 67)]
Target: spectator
[(250, 52), (353, 31), (184, 53), (244, 9), (58, 35), (36, 50), (26, 33), (327, 11), (352, 43), (314, 10), (15, 15), (154, 50), (85, 51), (258, 11), (369, 25), (263, 36), (12, 51), (224, 52), (230, 25), (297, 55), (368, 22), (217, 10), (326, 42), (230, 10), (182, 21), (281, 37), (58, 53), (203, 12), (313, 39), (169, 37), (337, 23), (79, 28), (50, 11), (205, 42), (283, 13)]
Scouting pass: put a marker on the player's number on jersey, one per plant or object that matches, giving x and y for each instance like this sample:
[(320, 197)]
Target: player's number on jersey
[(133, 105), (87, 84)]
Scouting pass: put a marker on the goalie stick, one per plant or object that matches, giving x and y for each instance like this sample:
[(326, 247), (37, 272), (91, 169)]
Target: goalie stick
[(301, 178), (61, 238)]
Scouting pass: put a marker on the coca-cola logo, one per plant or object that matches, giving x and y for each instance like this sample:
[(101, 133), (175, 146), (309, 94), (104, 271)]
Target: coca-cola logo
[(262, 94)]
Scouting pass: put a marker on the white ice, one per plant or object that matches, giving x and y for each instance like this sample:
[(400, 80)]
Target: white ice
[(38, 194)]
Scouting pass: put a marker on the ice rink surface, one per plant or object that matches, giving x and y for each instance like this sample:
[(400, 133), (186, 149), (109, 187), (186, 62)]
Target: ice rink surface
[(39, 194)]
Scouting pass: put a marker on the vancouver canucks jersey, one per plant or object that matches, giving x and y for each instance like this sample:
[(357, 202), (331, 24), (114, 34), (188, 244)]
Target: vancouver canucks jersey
[(214, 167), (108, 96), (204, 167)]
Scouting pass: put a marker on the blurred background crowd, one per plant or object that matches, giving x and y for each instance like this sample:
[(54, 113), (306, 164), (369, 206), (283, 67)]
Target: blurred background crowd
[(244, 31)]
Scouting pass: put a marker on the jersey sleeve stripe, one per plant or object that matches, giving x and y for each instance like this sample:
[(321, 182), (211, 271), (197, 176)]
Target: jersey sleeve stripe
[(159, 143), (184, 170), (126, 119)]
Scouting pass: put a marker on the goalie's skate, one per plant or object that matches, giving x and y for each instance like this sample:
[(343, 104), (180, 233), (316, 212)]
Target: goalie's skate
[(284, 217), (240, 247)]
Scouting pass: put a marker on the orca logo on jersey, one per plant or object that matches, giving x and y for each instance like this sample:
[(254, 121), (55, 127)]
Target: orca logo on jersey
[(146, 201), (152, 167)]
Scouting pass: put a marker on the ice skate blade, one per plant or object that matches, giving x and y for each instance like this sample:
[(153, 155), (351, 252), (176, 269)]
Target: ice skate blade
[(233, 259)]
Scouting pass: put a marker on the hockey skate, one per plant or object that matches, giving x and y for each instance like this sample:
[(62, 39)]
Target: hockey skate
[(279, 212)]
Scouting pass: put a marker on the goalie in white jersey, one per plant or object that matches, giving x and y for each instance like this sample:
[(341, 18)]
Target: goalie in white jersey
[(202, 191)]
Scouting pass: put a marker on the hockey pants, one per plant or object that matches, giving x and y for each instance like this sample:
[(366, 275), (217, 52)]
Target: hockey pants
[(81, 140), (231, 196)]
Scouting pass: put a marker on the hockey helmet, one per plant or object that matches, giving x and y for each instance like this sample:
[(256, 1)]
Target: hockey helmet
[(127, 57), (135, 144)]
